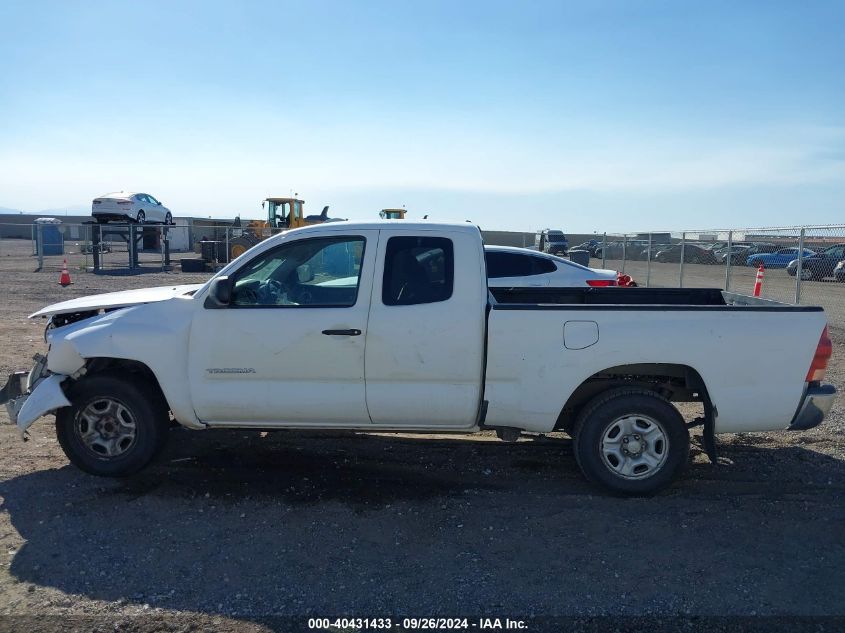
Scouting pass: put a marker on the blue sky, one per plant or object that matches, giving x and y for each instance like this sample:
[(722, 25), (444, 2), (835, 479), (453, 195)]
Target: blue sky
[(587, 116)]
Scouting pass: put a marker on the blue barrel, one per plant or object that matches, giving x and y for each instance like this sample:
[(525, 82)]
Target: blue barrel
[(47, 229)]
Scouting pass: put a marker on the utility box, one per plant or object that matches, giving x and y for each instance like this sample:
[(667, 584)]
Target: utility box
[(580, 257), (49, 237)]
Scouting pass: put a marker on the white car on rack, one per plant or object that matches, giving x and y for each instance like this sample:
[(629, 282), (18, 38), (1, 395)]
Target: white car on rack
[(512, 267), (127, 206)]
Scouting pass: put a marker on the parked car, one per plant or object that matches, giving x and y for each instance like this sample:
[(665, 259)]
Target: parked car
[(820, 265), (125, 206), (693, 254), (638, 250), (756, 248), (839, 272), (613, 250), (510, 267), (590, 246), (408, 336), (778, 259), (738, 253)]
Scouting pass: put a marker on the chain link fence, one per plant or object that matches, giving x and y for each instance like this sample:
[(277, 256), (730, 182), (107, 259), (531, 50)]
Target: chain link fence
[(123, 248), (800, 264)]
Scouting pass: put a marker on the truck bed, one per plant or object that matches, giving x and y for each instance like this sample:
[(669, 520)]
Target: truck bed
[(630, 298), (544, 342)]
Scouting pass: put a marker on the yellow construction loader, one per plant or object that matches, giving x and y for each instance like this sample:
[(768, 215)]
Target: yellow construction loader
[(282, 214)]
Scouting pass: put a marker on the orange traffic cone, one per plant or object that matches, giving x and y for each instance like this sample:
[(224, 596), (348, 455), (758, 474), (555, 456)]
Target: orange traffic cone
[(64, 279), (758, 282)]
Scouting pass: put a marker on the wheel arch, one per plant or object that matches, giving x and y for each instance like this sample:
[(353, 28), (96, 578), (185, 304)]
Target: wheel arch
[(127, 369), (673, 381)]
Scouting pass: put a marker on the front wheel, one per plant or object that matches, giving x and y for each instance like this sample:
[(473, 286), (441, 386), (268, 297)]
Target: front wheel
[(168, 218), (631, 441), (114, 426), (141, 217)]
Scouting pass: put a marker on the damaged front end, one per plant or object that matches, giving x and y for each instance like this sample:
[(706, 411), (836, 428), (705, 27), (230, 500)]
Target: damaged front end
[(30, 395)]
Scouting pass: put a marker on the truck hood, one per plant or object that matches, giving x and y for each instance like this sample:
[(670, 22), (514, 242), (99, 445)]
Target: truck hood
[(112, 300)]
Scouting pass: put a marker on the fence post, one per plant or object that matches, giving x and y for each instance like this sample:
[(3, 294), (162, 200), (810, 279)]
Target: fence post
[(604, 250), (85, 230), (800, 266), (648, 263), (226, 259), (728, 262), (681, 272), (624, 251), (39, 244)]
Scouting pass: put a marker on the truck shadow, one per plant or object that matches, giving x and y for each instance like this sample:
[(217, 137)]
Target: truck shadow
[(233, 523)]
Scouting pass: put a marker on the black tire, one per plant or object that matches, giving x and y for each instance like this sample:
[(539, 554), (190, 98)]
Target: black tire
[(239, 245), (142, 217), (148, 411), (168, 218), (602, 412)]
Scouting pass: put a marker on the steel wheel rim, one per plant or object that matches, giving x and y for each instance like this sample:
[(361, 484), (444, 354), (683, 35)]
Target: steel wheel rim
[(806, 274), (106, 428), (634, 446)]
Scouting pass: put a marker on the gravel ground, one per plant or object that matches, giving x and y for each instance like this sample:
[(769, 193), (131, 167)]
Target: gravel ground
[(245, 531)]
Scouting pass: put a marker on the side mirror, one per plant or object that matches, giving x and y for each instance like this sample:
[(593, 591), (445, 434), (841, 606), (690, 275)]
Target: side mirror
[(219, 293), (304, 273)]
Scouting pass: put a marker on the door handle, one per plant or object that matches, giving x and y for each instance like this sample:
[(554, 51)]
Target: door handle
[(342, 332)]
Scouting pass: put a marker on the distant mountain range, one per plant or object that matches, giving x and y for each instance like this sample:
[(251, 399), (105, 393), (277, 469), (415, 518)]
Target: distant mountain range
[(74, 209)]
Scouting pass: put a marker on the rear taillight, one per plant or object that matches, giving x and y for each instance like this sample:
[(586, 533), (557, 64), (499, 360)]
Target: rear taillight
[(124, 202), (98, 202), (818, 368), (601, 282)]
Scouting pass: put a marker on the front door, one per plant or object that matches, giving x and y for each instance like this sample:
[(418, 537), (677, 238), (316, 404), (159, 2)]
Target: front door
[(289, 349)]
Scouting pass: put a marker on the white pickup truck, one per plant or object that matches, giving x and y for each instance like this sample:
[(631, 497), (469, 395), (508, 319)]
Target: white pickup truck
[(390, 326)]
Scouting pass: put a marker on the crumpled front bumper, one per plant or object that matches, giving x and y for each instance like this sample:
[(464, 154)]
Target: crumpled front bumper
[(814, 408), (30, 395)]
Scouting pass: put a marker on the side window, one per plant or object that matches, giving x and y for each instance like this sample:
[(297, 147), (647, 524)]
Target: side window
[(321, 272), (152, 200), (495, 265), (417, 270), (542, 266), (516, 265), (501, 264), (140, 197)]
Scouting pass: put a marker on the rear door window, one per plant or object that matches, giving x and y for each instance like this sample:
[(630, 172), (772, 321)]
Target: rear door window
[(417, 270)]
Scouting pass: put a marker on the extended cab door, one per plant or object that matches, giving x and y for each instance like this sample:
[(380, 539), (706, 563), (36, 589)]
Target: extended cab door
[(425, 338), (289, 349)]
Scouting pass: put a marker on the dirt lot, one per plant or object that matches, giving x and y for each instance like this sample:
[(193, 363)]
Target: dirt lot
[(244, 531)]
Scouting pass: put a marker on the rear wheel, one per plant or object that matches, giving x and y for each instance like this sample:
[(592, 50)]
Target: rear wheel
[(114, 426), (168, 218), (631, 441)]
